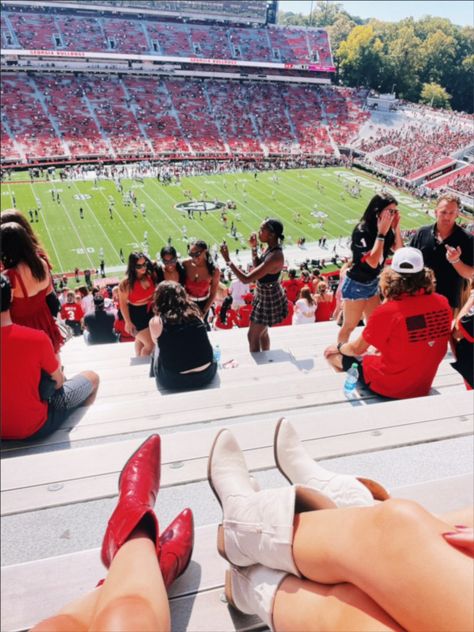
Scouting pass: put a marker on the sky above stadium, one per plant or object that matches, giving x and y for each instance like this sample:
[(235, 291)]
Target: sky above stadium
[(458, 11)]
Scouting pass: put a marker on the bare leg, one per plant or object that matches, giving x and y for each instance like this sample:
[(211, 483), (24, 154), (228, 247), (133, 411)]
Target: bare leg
[(133, 597), (144, 337), (75, 617), (94, 378), (352, 313), (265, 340), (138, 347), (393, 552), (303, 605), (462, 516), (254, 333), (336, 362), (370, 305)]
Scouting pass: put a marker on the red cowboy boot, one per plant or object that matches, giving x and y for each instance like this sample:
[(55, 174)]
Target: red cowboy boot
[(138, 486), (176, 546)]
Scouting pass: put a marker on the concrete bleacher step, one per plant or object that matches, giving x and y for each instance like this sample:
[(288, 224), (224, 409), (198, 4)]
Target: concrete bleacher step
[(62, 477), (35, 590)]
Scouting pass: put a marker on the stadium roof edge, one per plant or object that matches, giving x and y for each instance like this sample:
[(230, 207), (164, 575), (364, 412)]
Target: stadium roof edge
[(134, 11)]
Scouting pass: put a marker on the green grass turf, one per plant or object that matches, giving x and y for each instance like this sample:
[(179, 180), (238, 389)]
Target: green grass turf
[(73, 242)]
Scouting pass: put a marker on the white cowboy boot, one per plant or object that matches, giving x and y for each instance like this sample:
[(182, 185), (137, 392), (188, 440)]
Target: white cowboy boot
[(257, 526), (252, 590), (299, 468)]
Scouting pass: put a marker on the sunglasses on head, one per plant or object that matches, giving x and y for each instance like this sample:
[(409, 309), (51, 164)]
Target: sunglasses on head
[(169, 262), (196, 254)]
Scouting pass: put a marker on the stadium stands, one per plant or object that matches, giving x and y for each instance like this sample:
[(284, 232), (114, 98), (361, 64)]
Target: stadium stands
[(69, 480), (289, 45), (89, 114), (455, 179), (415, 147)]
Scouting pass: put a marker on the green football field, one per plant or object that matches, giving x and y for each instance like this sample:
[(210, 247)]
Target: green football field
[(311, 203)]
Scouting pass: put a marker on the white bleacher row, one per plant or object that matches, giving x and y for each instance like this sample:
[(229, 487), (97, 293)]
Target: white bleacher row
[(292, 380), (110, 116), (152, 37)]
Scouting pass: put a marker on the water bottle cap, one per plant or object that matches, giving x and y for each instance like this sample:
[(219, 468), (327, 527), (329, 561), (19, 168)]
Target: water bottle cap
[(355, 365)]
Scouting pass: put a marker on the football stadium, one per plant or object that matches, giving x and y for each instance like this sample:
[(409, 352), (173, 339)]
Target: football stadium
[(183, 184)]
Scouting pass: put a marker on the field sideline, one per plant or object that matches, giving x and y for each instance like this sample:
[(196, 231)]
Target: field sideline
[(292, 197)]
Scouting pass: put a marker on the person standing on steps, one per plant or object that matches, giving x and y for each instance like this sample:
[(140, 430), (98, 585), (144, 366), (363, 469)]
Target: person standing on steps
[(270, 304)]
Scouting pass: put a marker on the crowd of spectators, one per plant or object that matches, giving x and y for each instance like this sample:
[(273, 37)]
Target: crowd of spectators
[(414, 146), (464, 184), (196, 296), (89, 115), (277, 44)]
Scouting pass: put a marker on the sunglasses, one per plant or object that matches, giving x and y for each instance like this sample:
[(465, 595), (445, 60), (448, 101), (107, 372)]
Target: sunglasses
[(169, 262), (139, 266), (196, 254)]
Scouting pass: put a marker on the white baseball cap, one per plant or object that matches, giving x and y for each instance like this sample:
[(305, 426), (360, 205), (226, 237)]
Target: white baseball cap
[(408, 261)]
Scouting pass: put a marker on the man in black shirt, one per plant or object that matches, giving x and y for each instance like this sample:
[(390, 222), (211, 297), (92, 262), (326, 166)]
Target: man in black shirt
[(99, 325), (447, 249)]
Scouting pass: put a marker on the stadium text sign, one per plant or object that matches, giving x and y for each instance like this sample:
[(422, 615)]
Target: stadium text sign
[(161, 58)]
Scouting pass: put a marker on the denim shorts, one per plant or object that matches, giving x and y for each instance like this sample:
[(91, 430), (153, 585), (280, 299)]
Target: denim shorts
[(355, 291)]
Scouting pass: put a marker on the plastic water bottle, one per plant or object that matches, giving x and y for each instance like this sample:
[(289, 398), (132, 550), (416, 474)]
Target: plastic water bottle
[(352, 376), (217, 356)]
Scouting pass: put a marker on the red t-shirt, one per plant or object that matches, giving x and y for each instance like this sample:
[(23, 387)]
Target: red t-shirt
[(230, 321), (72, 311), (411, 336), (25, 351), (292, 288), (243, 315)]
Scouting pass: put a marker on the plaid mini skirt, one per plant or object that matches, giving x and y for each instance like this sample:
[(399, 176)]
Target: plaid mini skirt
[(270, 305)]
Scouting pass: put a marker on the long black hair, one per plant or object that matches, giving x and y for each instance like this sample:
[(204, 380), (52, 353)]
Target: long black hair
[(18, 247), (226, 305), (209, 262), (171, 251), (133, 257), (275, 227), (377, 204)]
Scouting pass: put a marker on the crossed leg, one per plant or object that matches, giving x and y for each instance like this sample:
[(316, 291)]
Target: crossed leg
[(133, 596), (401, 572)]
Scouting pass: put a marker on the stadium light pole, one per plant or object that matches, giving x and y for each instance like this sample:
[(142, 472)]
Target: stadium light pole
[(311, 14)]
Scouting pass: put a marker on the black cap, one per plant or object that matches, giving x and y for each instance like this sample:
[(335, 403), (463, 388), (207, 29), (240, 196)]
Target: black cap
[(99, 300)]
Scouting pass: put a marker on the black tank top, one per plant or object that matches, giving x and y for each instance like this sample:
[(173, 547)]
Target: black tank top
[(269, 278), (185, 346)]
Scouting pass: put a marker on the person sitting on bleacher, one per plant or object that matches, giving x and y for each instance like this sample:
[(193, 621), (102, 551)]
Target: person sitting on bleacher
[(142, 562), (245, 311), (36, 397), (72, 313), (410, 331), (226, 316), (185, 358), (99, 326), (322, 554), (292, 286)]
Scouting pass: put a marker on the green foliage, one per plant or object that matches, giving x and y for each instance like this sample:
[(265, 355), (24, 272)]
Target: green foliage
[(435, 95), (405, 55), (361, 58)]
